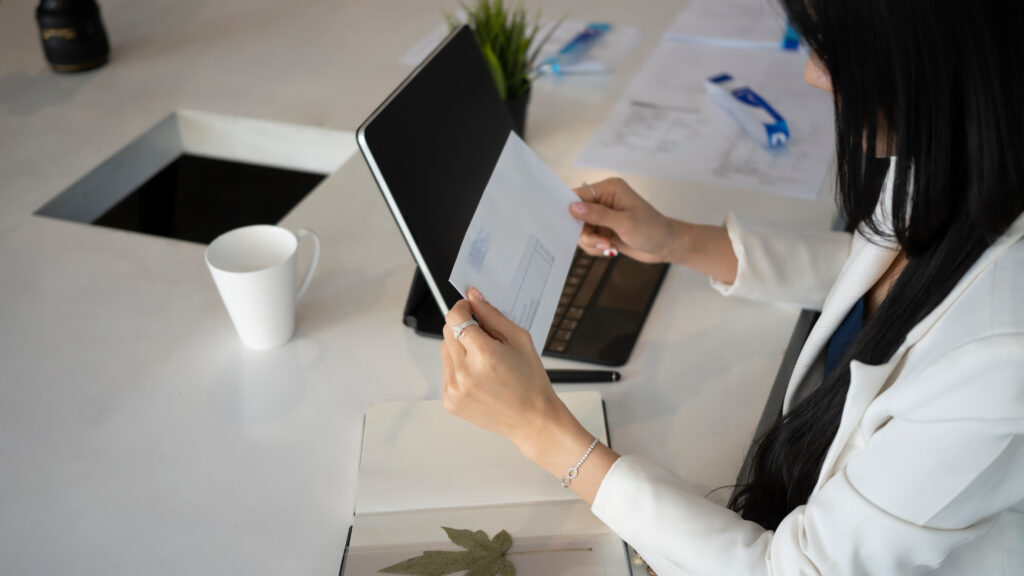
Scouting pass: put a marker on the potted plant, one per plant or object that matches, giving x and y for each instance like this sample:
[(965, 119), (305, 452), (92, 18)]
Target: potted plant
[(509, 43)]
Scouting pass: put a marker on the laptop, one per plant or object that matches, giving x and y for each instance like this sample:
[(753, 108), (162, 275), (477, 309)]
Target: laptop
[(431, 146)]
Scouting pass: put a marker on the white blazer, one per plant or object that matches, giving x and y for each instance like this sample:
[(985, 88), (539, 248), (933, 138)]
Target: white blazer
[(926, 472)]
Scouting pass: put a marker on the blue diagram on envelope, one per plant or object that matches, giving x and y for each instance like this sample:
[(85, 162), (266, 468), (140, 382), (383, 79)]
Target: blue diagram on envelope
[(479, 249), (527, 286)]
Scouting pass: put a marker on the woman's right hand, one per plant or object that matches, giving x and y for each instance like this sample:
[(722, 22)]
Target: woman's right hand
[(619, 219)]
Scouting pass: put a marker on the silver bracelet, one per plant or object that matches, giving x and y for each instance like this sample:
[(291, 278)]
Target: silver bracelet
[(575, 470)]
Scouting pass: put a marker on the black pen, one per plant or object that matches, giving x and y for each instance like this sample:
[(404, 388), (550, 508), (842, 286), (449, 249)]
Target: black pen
[(581, 376)]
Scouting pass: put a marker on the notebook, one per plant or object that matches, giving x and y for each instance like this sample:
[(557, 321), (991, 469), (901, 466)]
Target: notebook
[(421, 469)]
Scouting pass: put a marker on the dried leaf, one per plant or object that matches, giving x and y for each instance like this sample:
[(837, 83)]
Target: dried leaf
[(501, 567), (468, 539), (502, 541), (482, 556), (431, 563)]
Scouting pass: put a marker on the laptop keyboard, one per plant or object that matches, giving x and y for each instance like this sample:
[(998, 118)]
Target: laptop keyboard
[(585, 276)]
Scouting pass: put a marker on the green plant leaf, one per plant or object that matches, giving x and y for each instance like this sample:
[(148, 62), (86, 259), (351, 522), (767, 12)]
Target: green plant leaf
[(482, 556), (509, 42), (495, 67)]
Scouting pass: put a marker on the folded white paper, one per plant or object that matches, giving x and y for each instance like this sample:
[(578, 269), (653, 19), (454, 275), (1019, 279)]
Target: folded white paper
[(519, 245)]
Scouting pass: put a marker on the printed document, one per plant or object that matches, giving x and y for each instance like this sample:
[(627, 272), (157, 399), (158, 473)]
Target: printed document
[(668, 127), (521, 241), (735, 23)]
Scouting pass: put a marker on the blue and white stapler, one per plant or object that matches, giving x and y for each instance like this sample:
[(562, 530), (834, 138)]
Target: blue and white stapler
[(753, 113)]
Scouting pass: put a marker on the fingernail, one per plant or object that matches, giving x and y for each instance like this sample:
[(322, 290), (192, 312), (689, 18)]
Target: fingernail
[(604, 246), (476, 295), (611, 253), (579, 207)]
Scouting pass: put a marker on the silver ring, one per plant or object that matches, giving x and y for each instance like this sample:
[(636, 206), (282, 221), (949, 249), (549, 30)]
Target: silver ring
[(592, 191), (459, 329)]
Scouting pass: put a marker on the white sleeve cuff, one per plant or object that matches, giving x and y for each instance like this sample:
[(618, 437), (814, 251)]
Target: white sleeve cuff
[(735, 231), (784, 266)]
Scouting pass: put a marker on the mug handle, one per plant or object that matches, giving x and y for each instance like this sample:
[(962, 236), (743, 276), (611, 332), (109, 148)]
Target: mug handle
[(302, 233)]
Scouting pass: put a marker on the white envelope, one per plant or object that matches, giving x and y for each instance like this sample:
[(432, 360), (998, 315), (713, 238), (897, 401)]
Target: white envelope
[(520, 243)]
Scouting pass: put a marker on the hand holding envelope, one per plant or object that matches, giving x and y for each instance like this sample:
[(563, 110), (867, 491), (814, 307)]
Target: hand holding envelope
[(519, 246)]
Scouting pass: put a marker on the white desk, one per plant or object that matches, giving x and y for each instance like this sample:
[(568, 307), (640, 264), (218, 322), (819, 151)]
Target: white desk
[(138, 436)]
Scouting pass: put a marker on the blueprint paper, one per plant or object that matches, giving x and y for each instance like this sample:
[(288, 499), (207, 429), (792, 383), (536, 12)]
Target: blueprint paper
[(666, 125), (520, 243)]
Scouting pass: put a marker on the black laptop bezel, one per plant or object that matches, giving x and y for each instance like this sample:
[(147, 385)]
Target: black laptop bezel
[(429, 276)]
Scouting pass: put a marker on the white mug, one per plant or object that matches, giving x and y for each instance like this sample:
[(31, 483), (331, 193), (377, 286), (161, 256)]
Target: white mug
[(255, 268)]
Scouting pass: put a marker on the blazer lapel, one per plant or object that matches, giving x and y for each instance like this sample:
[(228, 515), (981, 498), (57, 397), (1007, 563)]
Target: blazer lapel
[(865, 266), (868, 260), (866, 381)]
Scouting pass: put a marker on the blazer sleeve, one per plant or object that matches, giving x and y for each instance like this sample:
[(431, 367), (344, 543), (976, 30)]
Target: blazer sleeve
[(786, 267), (925, 483)]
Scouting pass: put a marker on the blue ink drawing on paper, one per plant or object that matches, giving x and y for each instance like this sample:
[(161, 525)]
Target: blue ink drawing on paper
[(478, 251), (522, 299)]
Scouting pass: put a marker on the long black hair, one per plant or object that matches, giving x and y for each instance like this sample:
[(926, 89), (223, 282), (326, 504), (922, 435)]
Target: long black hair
[(940, 85)]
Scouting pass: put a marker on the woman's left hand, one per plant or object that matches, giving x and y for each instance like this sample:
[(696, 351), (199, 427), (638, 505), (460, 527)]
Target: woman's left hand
[(493, 377)]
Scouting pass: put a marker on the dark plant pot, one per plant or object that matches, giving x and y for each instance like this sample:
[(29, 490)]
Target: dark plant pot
[(517, 108), (73, 35)]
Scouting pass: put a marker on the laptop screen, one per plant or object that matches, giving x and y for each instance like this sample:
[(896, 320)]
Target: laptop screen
[(432, 146)]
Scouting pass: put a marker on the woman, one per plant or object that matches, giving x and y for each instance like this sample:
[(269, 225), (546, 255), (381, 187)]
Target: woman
[(901, 445)]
